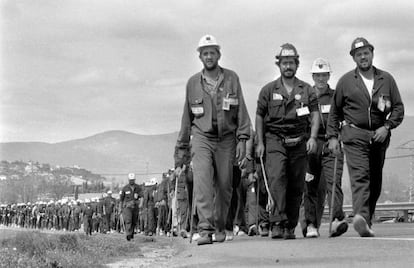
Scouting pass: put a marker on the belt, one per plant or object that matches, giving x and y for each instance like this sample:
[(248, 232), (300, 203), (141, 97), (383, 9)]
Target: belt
[(344, 123), (293, 140), (369, 132)]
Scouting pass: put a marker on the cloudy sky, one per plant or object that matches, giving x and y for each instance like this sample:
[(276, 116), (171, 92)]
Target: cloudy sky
[(73, 68)]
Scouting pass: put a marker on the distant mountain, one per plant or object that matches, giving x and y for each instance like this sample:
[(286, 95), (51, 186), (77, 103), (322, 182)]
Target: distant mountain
[(108, 153)]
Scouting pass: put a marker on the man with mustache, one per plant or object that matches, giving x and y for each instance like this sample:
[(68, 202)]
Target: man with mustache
[(216, 117), (287, 122), (368, 104)]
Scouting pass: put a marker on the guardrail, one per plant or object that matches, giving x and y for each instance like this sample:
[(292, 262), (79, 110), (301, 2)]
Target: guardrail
[(405, 207)]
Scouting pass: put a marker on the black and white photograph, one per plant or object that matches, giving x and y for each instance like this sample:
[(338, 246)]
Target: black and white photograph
[(195, 133)]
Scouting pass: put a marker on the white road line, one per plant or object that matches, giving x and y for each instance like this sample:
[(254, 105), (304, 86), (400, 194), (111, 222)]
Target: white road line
[(383, 238)]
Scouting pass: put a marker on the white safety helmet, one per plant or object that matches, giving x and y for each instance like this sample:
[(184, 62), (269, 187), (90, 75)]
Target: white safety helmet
[(207, 41), (131, 176), (154, 181), (320, 66)]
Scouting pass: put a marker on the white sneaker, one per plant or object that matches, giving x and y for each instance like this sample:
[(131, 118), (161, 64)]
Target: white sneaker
[(196, 236), (236, 229), (311, 231), (241, 233), (229, 235)]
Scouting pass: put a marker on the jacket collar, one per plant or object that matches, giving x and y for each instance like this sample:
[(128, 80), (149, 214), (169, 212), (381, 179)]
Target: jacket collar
[(378, 80), (298, 86)]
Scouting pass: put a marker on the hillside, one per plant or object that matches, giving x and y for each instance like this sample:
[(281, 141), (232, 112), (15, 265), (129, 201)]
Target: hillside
[(109, 153)]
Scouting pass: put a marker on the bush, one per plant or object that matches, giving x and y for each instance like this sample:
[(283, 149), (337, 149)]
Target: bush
[(68, 242), (32, 243)]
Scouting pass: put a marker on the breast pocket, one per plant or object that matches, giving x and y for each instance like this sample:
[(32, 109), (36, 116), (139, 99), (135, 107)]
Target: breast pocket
[(197, 107), (232, 106), (384, 103), (276, 109)]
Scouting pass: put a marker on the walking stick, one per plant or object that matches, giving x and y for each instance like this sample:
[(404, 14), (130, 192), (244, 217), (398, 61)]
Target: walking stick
[(192, 218), (257, 205), (332, 196), (270, 201), (174, 204)]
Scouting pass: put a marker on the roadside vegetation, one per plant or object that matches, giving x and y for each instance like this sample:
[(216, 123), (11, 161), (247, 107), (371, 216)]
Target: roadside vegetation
[(28, 248)]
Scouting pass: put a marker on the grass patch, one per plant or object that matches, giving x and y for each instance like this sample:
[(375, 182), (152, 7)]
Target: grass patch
[(28, 248)]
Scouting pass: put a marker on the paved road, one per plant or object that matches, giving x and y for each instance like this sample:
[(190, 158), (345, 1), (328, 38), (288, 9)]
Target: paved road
[(393, 246)]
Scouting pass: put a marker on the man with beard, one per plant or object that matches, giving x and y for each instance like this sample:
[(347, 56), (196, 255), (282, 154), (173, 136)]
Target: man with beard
[(369, 105), (287, 122), (128, 206), (215, 114)]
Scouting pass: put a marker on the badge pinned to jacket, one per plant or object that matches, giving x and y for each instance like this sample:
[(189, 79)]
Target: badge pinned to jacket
[(197, 107), (228, 101), (383, 103), (197, 110), (303, 110), (325, 108), (309, 177), (277, 96)]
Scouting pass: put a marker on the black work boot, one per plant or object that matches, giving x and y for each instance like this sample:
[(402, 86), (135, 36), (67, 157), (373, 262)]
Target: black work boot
[(205, 239), (289, 233), (277, 231)]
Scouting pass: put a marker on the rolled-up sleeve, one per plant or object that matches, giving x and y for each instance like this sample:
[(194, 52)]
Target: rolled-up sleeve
[(262, 102)]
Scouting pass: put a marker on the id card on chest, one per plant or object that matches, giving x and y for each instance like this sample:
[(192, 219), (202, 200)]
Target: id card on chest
[(303, 111)]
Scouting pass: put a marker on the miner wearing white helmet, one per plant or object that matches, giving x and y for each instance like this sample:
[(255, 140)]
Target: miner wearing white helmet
[(108, 210), (320, 171), (128, 205), (368, 103), (215, 114), (287, 115)]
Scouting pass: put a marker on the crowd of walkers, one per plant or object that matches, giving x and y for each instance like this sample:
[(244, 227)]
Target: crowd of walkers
[(96, 214), (164, 208), (103, 213)]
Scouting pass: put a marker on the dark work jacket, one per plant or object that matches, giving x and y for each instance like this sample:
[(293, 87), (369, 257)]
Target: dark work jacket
[(324, 100), (129, 195), (351, 102), (198, 111), (279, 109)]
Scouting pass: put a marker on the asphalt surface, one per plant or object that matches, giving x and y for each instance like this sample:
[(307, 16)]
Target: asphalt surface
[(393, 246)]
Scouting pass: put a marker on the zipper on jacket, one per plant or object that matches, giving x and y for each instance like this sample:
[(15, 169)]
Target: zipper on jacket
[(369, 113)]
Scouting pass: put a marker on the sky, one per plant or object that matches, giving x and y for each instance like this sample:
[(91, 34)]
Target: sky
[(71, 68)]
